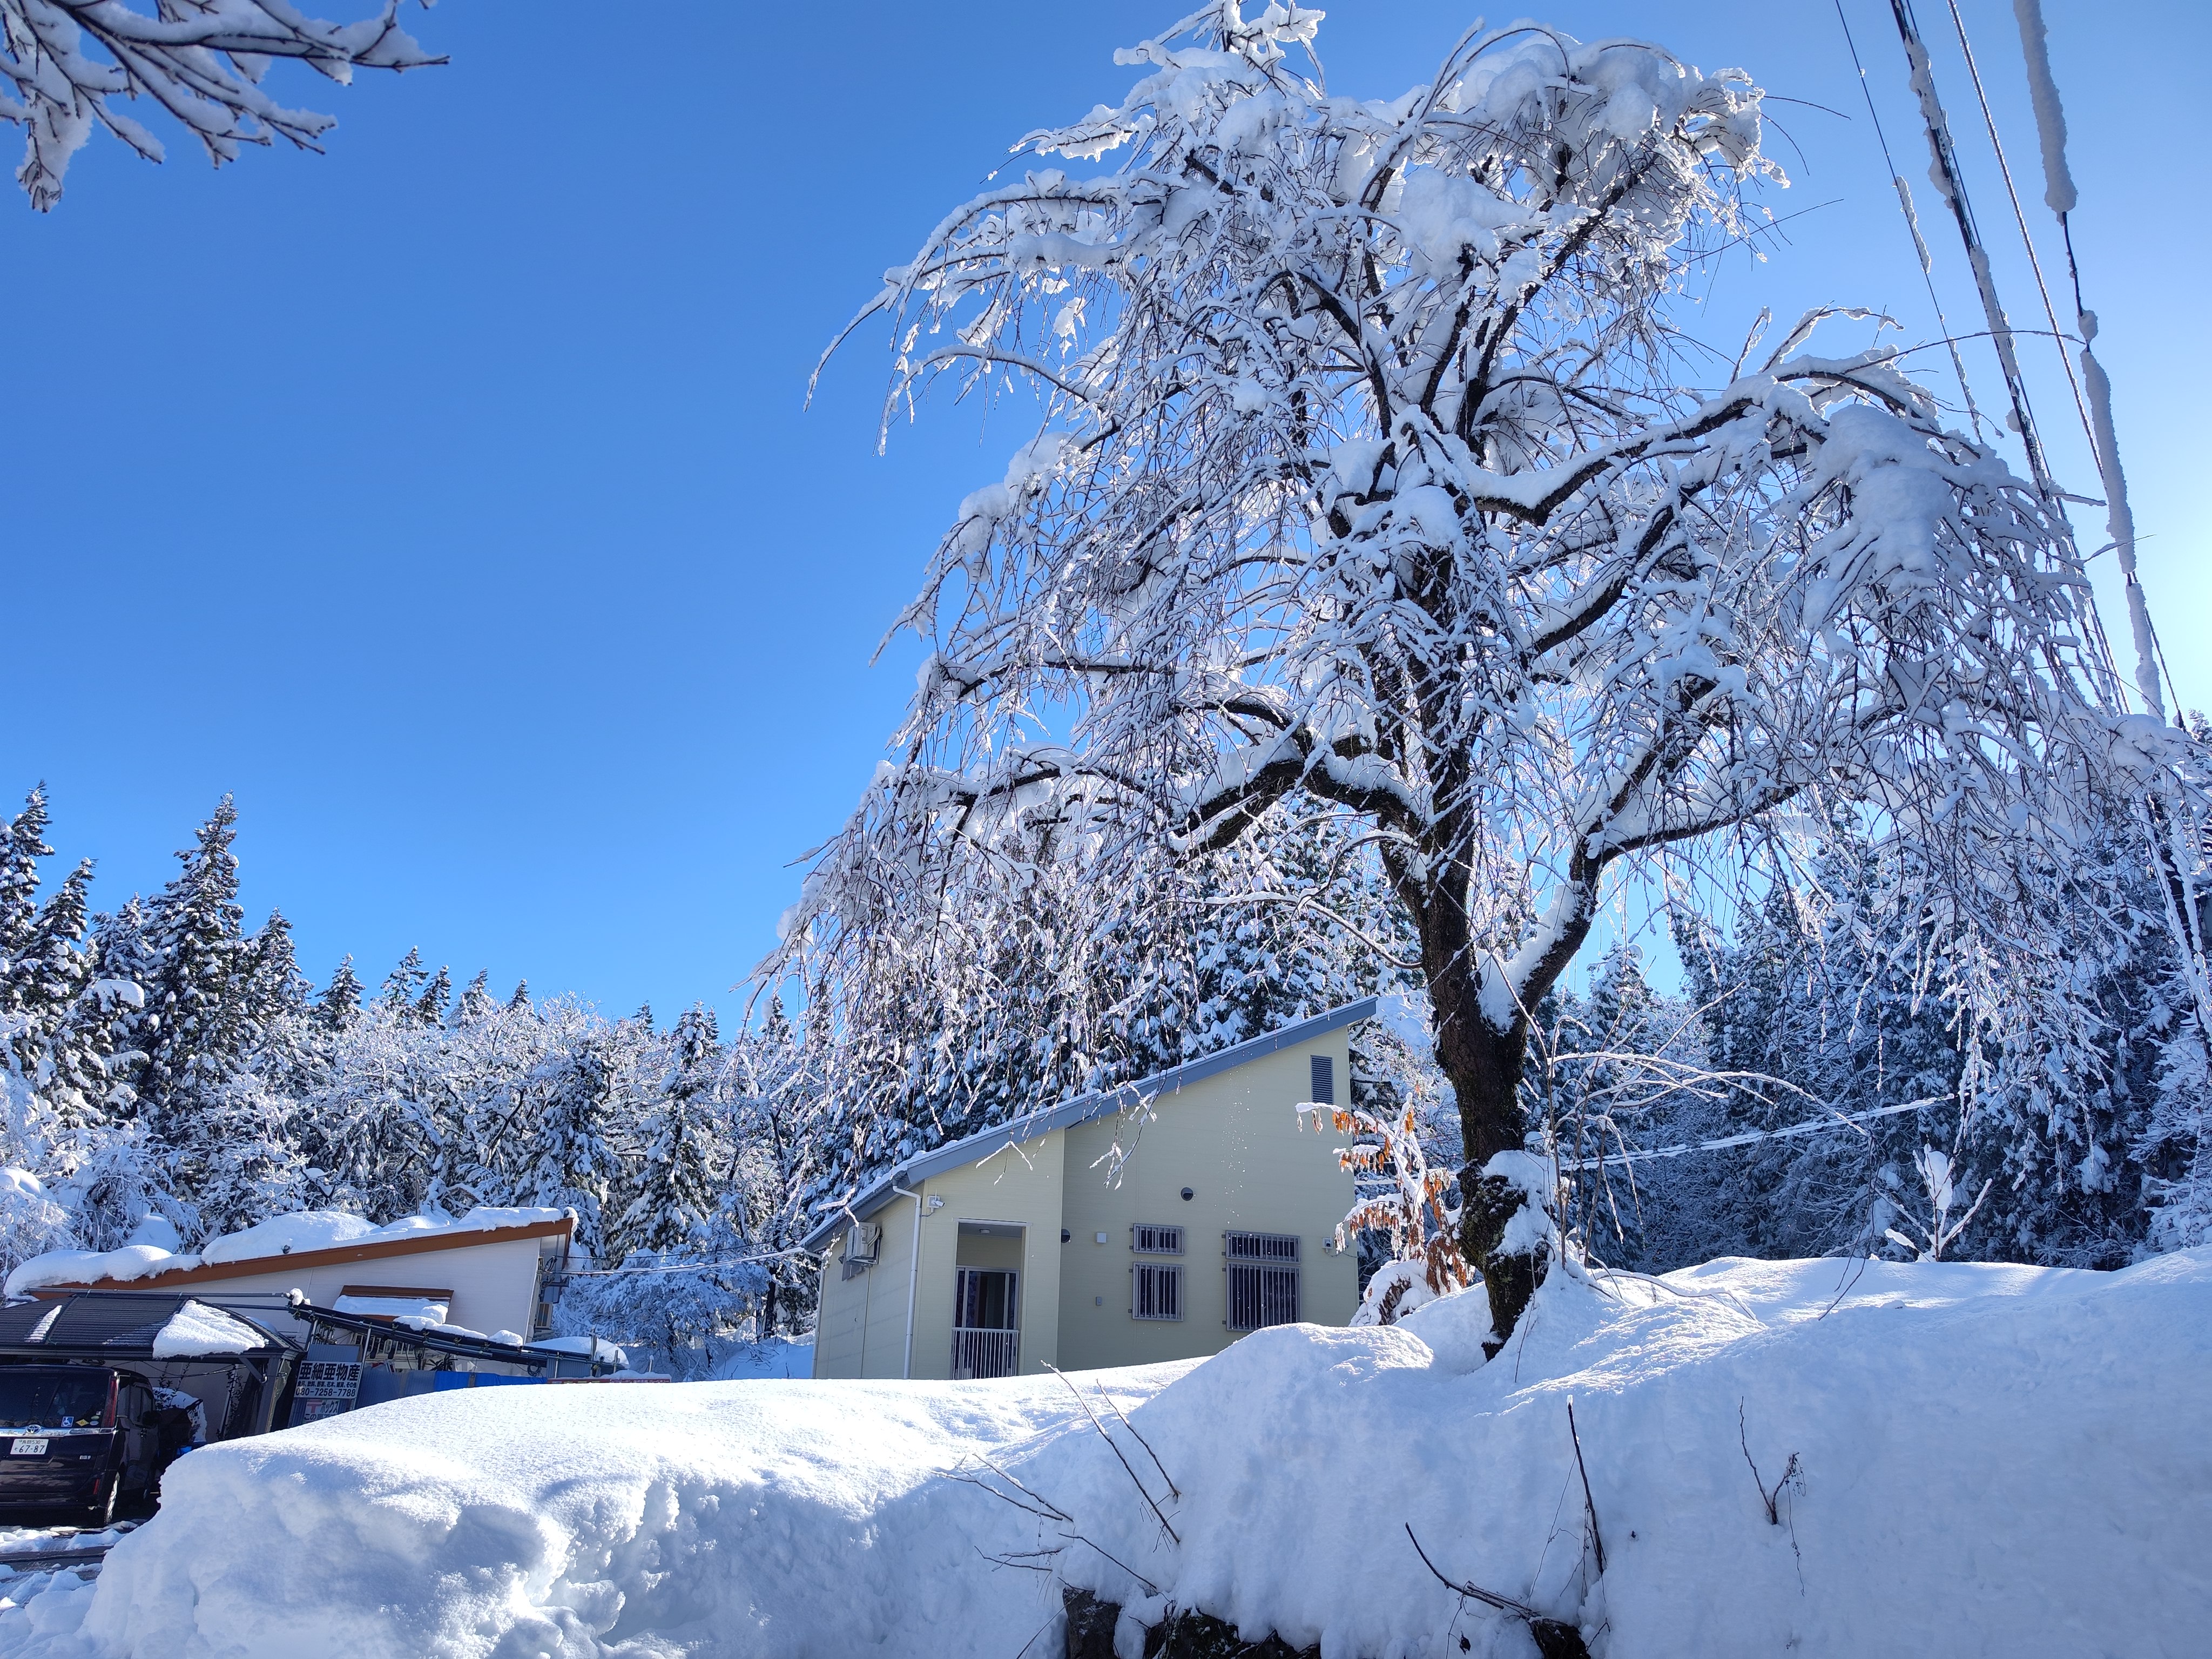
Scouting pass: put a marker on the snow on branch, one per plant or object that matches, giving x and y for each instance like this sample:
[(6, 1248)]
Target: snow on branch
[(71, 62)]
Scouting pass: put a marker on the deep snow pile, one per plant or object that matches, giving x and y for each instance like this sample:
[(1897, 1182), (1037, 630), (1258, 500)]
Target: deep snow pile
[(1990, 1460)]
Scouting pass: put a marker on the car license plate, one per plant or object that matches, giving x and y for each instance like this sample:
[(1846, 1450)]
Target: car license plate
[(29, 1447)]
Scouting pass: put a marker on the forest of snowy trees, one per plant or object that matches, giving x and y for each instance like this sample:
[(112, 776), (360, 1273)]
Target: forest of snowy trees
[(163, 1060)]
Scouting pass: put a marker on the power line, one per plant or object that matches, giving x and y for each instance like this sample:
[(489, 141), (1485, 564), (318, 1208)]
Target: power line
[(1990, 119), (1911, 223), (1841, 1120)]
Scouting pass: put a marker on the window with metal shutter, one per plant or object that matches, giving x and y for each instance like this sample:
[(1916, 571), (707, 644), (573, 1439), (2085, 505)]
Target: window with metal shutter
[(1262, 1272), (1155, 1291), (1148, 1239)]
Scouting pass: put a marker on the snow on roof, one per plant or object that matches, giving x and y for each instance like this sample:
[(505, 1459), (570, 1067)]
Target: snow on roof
[(1084, 1109), (304, 1229), (300, 1234), (1987, 1458), (196, 1330), (433, 1308), (597, 1348), (116, 1325), (132, 1261)]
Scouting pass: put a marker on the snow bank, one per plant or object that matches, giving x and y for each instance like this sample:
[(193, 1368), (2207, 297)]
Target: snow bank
[(1988, 1461)]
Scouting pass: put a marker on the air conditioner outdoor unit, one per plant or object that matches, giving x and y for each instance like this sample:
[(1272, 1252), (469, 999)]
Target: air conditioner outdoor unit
[(860, 1241)]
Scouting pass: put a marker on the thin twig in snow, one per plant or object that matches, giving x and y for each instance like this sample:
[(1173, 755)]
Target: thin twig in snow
[(1157, 1512), (1589, 1504), (1172, 1490)]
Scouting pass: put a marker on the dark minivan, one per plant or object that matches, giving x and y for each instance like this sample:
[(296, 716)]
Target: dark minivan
[(85, 1439)]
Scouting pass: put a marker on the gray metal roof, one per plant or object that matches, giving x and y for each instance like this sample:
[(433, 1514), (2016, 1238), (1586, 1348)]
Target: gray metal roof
[(974, 1149), (109, 1325)]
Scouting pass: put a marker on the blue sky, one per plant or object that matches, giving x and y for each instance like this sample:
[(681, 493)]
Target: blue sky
[(448, 498)]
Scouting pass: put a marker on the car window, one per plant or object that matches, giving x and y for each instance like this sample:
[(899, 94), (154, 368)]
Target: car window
[(51, 1400)]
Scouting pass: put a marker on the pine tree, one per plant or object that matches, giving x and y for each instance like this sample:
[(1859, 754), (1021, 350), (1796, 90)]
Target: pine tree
[(674, 1188), (284, 1053), (403, 984), (112, 1016), (430, 1006), (70, 1066), (339, 1004), (784, 1136), (569, 1161), (198, 1018), (519, 1002), (22, 844), (475, 1003)]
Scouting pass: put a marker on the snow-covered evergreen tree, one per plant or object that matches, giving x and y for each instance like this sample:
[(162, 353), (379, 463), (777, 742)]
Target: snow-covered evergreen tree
[(430, 1006), (476, 1000), (568, 1161), (673, 1188), (339, 1001), (22, 844), (782, 1131), (405, 982)]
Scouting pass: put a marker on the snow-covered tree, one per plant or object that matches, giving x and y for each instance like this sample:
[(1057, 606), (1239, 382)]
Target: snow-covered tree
[(476, 1000), (673, 1192), (22, 845), (406, 981), (196, 966), (430, 1006), (1373, 476), (73, 65), (339, 1001), (569, 1162), (68, 1015), (1026, 985), (783, 1135)]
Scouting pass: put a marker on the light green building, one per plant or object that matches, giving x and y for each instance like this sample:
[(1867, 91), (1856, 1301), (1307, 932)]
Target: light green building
[(1159, 1220)]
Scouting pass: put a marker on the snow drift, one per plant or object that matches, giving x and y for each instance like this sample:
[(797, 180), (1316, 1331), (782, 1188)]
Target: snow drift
[(1987, 1460)]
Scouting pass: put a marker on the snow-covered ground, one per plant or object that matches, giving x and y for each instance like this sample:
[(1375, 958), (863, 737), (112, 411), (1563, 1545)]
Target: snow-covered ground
[(1989, 1461)]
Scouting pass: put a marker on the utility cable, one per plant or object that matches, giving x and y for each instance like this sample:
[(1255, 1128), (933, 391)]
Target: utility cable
[(2020, 216), (1912, 224), (1842, 1120), (1951, 182)]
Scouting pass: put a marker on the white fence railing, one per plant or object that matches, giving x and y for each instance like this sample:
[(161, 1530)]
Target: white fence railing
[(984, 1352)]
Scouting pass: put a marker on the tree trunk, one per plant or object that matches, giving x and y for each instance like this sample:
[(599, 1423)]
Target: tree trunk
[(1484, 1066)]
